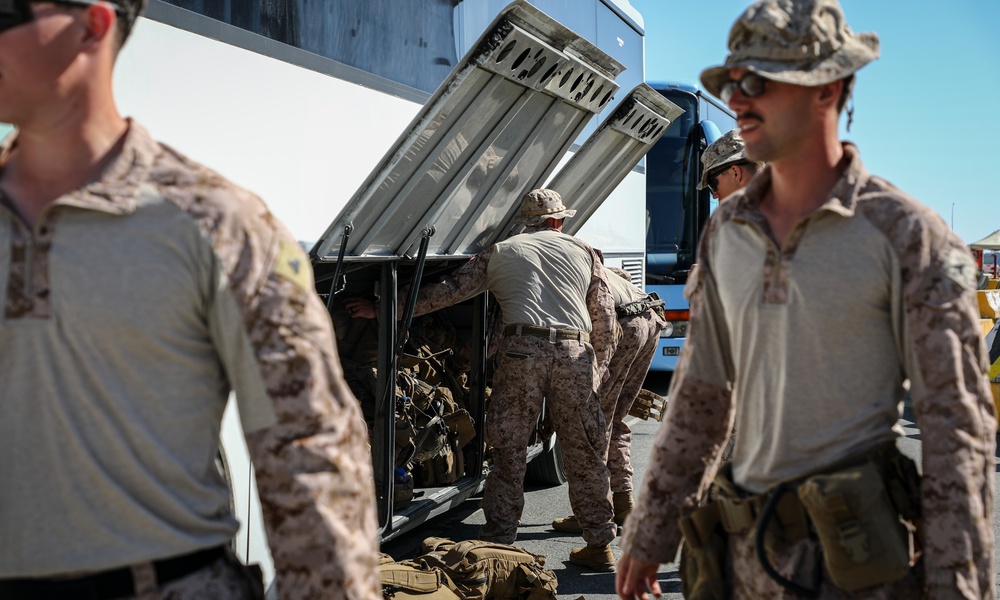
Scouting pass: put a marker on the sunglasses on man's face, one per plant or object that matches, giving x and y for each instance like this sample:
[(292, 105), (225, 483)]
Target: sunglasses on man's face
[(751, 84), (713, 179), (18, 12)]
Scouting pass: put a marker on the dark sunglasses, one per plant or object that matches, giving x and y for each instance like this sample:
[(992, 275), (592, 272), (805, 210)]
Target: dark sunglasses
[(18, 12), (751, 84), (713, 179)]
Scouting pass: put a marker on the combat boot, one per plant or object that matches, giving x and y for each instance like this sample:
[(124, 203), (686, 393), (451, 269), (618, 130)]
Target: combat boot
[(623, 504), (595, 558), (567, 525)]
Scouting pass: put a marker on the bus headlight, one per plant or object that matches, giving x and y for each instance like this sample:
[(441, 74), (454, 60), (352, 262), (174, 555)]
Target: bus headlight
[(677, 324)]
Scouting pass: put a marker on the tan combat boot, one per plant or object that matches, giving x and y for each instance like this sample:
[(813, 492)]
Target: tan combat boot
[(567, 525), (596, 558), (623, 504)]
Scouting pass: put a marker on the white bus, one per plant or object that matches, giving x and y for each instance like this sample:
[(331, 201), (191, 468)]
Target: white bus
[(312, 105)]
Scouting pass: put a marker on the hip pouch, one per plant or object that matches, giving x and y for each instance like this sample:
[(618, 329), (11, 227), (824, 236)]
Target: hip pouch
[(864, 541), (704, 550)]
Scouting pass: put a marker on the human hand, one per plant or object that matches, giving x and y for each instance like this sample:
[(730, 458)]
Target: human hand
[(360, 308), (636, 579)]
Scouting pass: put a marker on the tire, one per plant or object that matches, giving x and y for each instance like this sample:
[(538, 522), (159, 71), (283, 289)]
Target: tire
[(547, 468)]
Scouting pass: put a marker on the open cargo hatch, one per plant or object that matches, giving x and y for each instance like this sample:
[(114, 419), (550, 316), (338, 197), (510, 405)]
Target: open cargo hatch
[(494, 130), (613, 150)]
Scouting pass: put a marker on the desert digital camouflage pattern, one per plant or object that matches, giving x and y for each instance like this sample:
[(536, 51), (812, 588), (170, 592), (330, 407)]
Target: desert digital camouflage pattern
[(627, 371), (313, 467), (803, 42), (474, 277), (567, 373), (726, 150), (163, 257), (798, 562), (224, 579), (906, 299), (541, 204), (528, 369)]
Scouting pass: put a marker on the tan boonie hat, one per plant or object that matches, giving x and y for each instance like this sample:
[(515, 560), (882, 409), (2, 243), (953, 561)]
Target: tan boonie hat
[(803, 42), (541, 204), (726, 150)]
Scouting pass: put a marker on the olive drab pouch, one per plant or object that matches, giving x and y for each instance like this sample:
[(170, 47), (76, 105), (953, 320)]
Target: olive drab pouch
[(703, 555), (481, 570), (864, 541)]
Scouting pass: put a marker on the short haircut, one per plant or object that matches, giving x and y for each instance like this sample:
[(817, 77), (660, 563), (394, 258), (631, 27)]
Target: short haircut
[(846, 92), (754, 166), (128, 13)]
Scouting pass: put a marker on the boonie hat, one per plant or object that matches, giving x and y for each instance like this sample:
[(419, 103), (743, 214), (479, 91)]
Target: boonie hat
[(538, 205), (803, 42), (726, 150)]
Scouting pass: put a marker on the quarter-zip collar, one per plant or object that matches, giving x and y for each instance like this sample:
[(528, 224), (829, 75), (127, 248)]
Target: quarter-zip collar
[(116, 189)]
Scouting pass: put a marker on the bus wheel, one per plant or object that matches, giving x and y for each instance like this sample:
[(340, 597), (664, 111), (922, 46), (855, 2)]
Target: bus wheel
[(547, 468)]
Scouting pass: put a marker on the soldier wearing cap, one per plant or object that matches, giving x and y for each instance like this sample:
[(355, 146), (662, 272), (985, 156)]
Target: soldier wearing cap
[(725, 167), (821, 291), (559, 336), (141, 289)]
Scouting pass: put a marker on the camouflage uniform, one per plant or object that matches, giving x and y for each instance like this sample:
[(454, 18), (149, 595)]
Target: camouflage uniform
[(808, 345), (909, 273), (565, 372), (627, 371), (144, 297)]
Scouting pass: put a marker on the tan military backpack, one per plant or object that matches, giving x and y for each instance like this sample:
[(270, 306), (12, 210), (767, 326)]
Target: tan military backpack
[(487, 571), (407, 579)]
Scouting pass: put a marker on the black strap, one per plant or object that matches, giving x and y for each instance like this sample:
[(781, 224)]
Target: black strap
[(105, 585), (762, 523)]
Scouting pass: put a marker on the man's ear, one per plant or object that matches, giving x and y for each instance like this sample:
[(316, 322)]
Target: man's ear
[(829, 93), (101, 22)]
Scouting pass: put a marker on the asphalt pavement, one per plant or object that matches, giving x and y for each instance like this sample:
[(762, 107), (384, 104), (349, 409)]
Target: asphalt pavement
[(543, 504)]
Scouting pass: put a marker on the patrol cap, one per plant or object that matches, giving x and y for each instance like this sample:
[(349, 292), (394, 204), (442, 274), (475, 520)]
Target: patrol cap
[(538, 205), (802, 42), (726, 150)]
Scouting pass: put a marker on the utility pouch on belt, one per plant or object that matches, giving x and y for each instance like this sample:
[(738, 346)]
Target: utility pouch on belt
[(864, 542), (703, 553)]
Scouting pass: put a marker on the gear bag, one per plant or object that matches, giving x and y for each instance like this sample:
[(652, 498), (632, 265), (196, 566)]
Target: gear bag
[(488, 571), (407, 579)]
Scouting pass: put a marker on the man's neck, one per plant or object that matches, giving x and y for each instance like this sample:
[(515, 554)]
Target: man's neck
[(801, 183), (60, 154)]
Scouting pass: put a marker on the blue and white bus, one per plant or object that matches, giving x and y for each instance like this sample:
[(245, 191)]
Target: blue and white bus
[(676, 210), (306, 103)]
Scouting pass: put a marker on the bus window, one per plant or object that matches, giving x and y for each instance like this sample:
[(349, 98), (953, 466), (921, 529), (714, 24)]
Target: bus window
[(667, 186)]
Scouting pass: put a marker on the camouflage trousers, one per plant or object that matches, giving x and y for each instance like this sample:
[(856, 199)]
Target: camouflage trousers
[(627, 371), (224, 579), (562, 372), (799, 562)]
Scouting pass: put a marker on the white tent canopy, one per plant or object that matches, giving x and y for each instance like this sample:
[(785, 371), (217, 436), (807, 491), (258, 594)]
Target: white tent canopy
[(990, 242)]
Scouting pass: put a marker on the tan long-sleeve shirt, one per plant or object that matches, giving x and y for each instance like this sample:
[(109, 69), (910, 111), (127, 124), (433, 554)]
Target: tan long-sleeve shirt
[(816, 339)]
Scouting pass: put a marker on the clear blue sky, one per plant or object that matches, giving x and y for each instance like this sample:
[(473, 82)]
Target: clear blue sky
[(924, 110)]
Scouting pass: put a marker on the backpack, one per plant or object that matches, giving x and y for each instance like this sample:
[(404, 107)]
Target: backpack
[(488, 571), (407, 579)]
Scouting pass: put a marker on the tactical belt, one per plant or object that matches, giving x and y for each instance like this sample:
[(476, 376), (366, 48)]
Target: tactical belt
[(739, 512), (546, 332), (640, 306), (116, 583)]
